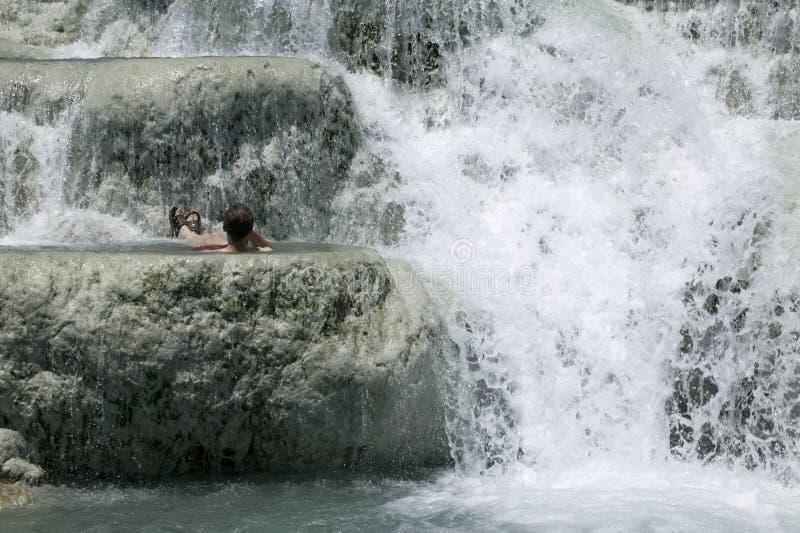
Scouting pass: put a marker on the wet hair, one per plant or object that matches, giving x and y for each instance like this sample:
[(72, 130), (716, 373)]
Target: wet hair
[(238, 221)]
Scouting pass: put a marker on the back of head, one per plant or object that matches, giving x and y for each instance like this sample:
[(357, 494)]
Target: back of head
[(238, 221)]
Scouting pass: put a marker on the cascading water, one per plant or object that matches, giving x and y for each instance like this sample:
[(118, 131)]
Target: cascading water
[(34, 166), (603, 199)]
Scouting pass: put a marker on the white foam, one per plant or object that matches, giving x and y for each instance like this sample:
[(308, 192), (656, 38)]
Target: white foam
[(608, 495), (60, 226)]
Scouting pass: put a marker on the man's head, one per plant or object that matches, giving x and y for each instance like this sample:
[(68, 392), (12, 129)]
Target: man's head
[(238, 221)]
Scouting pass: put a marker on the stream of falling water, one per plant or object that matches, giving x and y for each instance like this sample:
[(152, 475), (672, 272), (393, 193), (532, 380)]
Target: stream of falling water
[(575, 183), (569, 187)]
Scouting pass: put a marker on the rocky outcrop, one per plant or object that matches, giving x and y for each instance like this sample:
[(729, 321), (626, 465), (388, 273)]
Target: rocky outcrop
[(38, 23), (16, 474), (733, 88), (401, 40), (21, 470), (12, 445), (735, 392), (766, 28), (152, 365), (784, 85), (404, 40), (12, 50), (14, 496), (771, 26), (198, 131), (408, 40), (127, 27)]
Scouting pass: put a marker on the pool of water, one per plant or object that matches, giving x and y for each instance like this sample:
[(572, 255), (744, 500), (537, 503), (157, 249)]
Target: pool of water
[(598, 497), (171, 246)]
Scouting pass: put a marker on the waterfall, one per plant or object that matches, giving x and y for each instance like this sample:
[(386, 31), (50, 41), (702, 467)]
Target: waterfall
[(602, 196)]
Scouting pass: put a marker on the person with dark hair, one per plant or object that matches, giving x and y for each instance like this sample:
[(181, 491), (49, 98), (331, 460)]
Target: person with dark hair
[(237, 222)]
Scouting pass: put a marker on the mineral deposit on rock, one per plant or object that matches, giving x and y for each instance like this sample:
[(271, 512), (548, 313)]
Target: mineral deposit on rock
[(141, 364)]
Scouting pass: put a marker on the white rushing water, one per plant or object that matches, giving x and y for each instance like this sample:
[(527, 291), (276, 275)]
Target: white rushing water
[(35, 159), (562, 189), (569, 200), (583, 177)]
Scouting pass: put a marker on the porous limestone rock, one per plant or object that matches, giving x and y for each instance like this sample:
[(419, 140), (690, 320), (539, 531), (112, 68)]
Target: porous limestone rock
[(733, 88), (719, 409), (42, 89), (46, 25), (280, 132), (20, 470), (11, 445), (13, 495), (784, 84), (782, 36), (3, 213), (407, 41), (769, 26), (139, 364), (38, 23), (13, 50)]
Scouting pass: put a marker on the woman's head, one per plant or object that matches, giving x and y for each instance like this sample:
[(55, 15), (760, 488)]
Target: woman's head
[(238, 221)]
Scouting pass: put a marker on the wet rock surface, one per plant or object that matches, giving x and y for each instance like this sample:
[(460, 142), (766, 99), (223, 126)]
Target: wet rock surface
[(16, 473), (12, 444), (769, 29), (20, 470), (14, 496), (409, 41), (43, 25), (735, 393), (198, 131), (733, 88), (784, 83), (143, 365), (405, 41)]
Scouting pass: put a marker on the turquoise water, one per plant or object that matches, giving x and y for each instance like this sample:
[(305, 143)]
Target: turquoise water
[(589, 498), (340, 503)]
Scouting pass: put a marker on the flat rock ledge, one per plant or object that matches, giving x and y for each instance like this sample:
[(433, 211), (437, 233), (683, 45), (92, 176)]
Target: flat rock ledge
[(145, 365)]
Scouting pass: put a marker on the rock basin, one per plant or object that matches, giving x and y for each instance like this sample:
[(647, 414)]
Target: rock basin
[(144, 364)]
